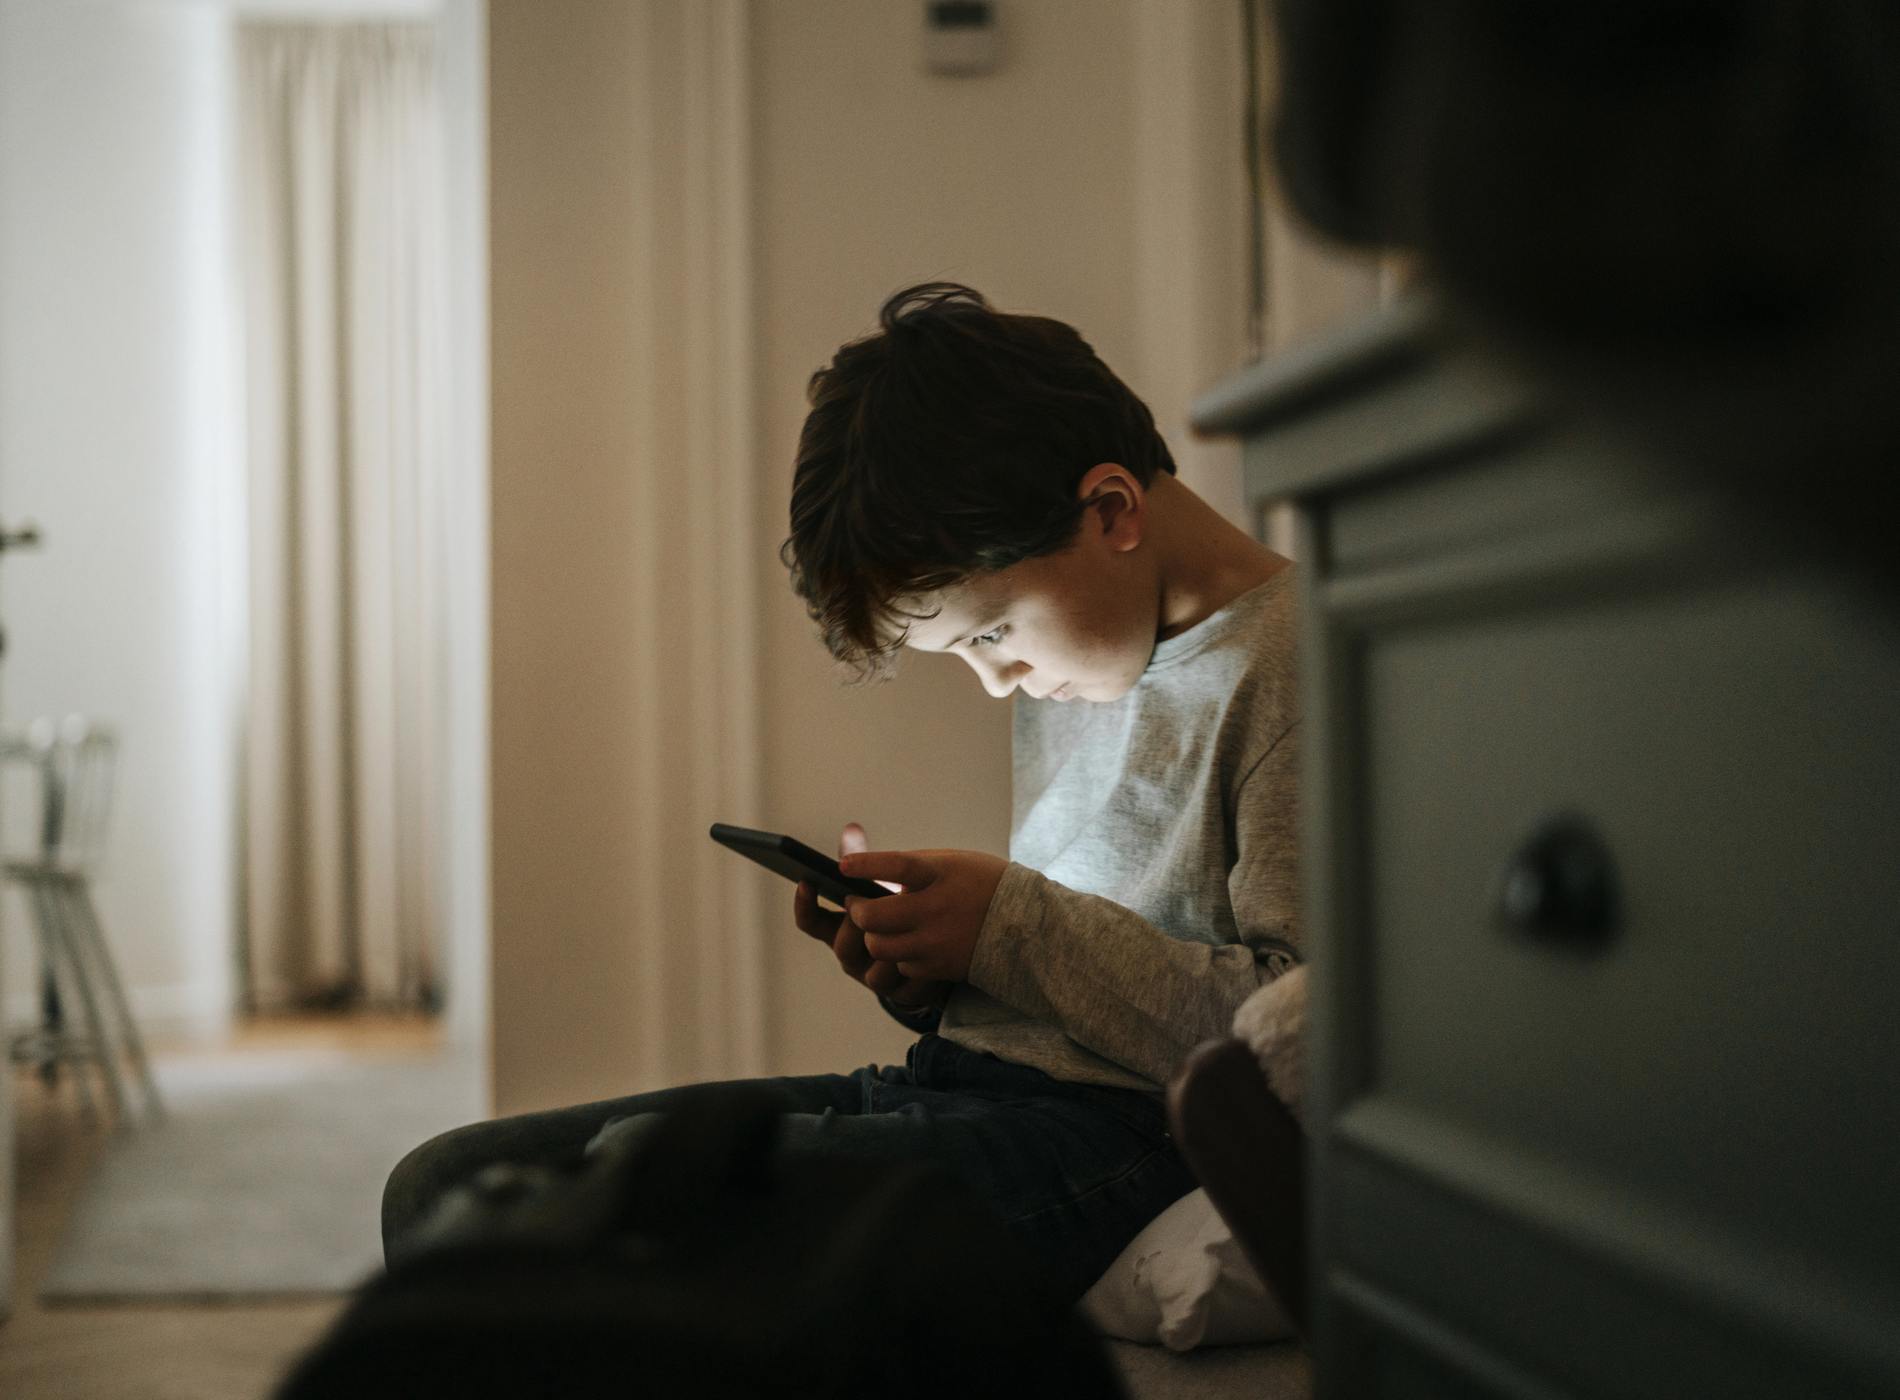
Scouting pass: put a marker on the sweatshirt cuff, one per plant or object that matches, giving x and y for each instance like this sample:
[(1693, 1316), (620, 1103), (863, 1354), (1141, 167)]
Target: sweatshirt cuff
[(1015, 915)]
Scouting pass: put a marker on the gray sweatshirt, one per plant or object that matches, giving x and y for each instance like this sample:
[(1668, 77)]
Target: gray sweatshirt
[(1153, 879)]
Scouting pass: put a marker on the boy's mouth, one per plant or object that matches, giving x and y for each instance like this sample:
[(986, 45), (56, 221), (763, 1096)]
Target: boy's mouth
[(1061, 692)]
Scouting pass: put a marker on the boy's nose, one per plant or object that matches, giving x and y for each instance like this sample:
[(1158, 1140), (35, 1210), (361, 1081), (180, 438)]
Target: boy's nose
[(1001, 680)]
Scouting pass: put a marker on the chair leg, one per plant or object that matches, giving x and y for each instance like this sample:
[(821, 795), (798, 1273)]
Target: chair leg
[(52, 1014), (85, 921), (63, 940), (59, 1035)]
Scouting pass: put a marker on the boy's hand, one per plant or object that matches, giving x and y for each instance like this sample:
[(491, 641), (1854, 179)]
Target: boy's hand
[(929, 930), (846, 941)]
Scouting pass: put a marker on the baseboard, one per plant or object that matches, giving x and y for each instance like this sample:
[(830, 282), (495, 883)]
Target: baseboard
[(181, 1012)]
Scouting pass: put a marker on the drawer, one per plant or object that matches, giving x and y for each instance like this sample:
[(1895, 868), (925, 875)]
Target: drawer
[(1439, 1255), (1728, 1053), (1521, 485), (1373, 1359)]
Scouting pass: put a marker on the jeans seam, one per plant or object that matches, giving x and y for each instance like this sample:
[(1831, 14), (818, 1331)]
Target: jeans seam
[(1143, 1161)]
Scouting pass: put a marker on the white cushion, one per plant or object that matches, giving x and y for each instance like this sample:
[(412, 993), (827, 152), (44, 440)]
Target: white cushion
[(1183, 1282)]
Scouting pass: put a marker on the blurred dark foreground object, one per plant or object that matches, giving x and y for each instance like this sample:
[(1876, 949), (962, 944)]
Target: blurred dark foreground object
[(686, 1260), (1683, 213), (1668, 167)]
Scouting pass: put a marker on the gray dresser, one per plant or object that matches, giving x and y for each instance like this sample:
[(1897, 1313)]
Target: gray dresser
[(1602, 824)]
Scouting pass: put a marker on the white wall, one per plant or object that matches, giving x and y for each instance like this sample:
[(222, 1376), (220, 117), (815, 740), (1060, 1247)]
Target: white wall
[(117, 436)]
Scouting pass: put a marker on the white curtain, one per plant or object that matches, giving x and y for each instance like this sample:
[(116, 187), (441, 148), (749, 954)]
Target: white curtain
[(344, 308)]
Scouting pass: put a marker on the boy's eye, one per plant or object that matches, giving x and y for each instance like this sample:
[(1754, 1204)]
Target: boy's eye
[(989, 638)]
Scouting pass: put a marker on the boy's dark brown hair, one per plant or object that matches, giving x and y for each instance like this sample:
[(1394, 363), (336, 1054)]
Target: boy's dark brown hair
[(945, 445)]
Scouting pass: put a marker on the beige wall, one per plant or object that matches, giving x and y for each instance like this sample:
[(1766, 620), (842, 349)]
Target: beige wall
[(873, 174), (564, 590), (865, 174)]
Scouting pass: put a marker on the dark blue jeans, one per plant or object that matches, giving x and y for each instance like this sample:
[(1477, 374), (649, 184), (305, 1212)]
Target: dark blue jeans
[(1074, 1170)]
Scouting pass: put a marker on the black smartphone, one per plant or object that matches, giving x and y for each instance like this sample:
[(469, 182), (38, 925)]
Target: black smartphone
[(795, 861)]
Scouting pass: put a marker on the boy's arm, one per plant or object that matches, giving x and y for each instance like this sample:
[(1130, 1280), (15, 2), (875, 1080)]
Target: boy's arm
[(1116, 984)]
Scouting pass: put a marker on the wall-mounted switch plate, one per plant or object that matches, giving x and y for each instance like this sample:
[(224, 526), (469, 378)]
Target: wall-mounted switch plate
[(962, 37)]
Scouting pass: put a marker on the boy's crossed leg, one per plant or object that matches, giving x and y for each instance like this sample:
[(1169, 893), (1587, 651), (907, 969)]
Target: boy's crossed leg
[(1075, 1171)]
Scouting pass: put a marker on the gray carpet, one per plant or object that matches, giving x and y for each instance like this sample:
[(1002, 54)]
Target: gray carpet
[(265, 1179)]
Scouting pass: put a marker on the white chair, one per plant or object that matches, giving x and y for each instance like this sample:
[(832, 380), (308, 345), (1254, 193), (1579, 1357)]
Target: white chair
[(73, 765)]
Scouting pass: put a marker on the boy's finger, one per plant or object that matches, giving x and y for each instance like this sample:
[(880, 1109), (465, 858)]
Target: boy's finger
[(850, 949), (908, 869), (894, 913), (899, 949), (852, 840), (809, 918), (886, 947)]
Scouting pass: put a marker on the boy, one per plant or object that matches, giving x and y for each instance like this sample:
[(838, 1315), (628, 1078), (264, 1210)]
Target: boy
[(981, 484)]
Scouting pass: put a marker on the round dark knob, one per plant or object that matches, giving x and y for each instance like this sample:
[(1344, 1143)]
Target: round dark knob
[(1561, 884)]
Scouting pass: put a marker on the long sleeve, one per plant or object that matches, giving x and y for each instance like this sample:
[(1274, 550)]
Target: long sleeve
[(1154, 846), (1122, 987)]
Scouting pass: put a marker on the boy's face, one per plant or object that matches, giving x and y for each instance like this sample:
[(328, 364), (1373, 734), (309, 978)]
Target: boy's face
[(1075, 625)]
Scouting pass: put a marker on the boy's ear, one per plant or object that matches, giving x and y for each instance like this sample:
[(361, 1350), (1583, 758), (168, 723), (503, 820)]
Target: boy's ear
[(1116, 505)]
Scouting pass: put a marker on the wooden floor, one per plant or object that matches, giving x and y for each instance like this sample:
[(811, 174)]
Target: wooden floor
[(151, 1351)]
